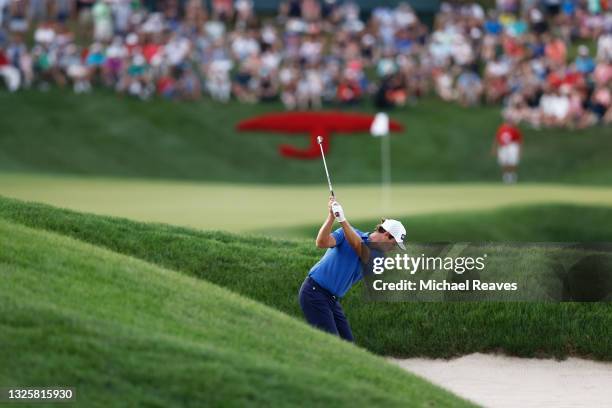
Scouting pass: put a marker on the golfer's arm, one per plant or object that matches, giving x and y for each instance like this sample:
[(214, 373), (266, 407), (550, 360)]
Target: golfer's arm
[(351, 236), (324, 237)]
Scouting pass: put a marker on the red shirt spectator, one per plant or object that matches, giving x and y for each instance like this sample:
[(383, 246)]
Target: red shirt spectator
[(166, 85), (150, 51), (348, 91), (3, 60), (555, 79), (223, 8), (513, 48), (556, 51), (507, 134), (573, 79)]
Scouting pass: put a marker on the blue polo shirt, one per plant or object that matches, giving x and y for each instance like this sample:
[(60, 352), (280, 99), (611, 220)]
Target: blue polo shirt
[(340, 268)]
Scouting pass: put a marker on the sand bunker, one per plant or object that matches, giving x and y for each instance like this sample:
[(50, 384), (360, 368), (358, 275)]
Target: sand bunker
[(500, 381)]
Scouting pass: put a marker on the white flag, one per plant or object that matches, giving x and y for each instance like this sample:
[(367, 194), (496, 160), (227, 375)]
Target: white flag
[(380, 125)]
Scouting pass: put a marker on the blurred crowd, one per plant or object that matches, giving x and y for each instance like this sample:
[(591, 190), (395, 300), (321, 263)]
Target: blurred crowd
[(524, 54)]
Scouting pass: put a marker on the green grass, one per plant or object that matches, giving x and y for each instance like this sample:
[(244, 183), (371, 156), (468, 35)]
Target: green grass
[(266, 207), (271, 271), (105, 135), (126, 333)]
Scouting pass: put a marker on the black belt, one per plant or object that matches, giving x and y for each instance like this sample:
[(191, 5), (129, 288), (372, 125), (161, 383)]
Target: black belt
[(320, 288)]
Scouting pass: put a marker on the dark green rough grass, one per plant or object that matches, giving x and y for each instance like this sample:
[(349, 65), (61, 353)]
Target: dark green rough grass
[(103, 134), (271, 271), (125, 333), (533, 223)]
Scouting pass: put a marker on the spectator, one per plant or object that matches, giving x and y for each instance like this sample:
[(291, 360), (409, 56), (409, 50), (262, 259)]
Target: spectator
[(555, 107), (9, 73), (218, 81), (604, 46), (103, 24), (316, 53), (469, 88), (348, 92), (507, 144), (584, 63)]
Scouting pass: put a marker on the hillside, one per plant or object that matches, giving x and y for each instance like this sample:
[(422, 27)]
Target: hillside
[(105, 135), (126, 333), (271, 271), (521, 223)]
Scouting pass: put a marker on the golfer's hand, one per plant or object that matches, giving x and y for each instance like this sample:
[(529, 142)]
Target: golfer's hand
[(337, 211), (329, 204)]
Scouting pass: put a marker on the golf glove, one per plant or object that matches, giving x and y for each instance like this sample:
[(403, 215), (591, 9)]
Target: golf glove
[(338, 212)]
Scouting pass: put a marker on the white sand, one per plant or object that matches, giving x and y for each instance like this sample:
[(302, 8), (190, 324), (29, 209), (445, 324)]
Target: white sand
[(500, 381)]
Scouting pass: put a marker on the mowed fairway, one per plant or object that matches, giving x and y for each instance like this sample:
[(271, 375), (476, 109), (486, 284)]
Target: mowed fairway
[(243, 208)]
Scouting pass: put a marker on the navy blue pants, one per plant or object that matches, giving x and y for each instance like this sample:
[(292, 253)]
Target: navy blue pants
[(323, 310)]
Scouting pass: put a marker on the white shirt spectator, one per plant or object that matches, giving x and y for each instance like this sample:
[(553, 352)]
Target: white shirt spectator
[(103, 21), (477, 12), (462, 52), (295, 25), (384, 17), (444, 85), (315, 82), (604, 47), (244, 47), (176, 50), (440, 46), (404, 16), (311, 50), (154, 24), (498, 68), (44, 34), (475, 33), (11, 77), (218, 80), (244, 8), (270, 61), (268, 34), (122, 11), (3, 5), (117, 49), (214, 29), (557, 106), (535, 16), (286, 76)]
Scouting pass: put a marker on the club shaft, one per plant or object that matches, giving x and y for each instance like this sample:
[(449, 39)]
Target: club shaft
[(331, 190)]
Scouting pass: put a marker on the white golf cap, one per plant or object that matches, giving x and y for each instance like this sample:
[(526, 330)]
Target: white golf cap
[(397, 231)]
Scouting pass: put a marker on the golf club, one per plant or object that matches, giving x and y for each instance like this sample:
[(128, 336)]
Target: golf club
[(320, 141)]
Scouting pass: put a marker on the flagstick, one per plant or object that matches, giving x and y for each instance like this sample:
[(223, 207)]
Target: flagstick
[(385, 161), (380, 128)]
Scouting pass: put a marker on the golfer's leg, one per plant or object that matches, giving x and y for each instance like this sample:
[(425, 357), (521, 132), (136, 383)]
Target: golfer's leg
[(342, 324), (317, 311)]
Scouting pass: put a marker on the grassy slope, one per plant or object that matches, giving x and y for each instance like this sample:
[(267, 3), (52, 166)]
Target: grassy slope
[(271, 271), (535, 223), (103, 134), (127, 333)]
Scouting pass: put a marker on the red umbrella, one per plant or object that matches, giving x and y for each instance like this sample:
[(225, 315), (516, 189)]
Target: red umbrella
[(313, 123)]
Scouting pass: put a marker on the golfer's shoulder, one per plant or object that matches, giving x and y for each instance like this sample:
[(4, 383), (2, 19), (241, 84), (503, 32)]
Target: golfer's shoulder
[(338, 235), (363, 235)]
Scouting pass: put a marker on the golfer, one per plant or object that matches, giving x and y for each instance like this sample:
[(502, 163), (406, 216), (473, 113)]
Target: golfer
[(340, 268)]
